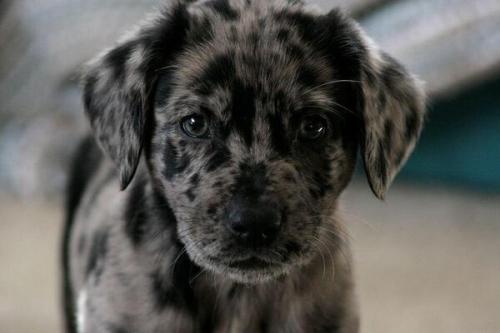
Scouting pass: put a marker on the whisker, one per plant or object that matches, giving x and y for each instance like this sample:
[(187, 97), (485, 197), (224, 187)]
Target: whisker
[(322, 256), (329, 83), (196, 276), (167, 68)]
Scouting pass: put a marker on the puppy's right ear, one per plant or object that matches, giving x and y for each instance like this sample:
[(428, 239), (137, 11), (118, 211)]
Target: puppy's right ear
[(118, 86)]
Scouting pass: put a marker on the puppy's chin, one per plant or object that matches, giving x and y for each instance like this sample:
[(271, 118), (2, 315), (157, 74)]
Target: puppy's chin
[(246, 272)]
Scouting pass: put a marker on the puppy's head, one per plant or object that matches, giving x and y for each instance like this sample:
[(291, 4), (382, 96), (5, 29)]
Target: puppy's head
[(250, 115)]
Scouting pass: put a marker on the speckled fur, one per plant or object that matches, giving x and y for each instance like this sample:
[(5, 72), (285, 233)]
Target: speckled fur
[(156, 257)]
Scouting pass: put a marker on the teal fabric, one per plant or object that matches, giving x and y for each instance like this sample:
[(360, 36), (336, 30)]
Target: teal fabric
[(461, 141)]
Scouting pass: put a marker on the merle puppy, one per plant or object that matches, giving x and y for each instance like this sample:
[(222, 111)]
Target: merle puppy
[(226, 131)]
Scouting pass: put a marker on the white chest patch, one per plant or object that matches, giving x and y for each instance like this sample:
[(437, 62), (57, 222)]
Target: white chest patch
[(81, 310)]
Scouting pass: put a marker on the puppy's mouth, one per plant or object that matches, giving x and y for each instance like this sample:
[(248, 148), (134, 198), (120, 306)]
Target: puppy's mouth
[(252, 263), (252, 269)]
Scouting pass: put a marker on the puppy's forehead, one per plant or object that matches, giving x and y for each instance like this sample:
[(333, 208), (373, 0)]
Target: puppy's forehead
[(255, 54)]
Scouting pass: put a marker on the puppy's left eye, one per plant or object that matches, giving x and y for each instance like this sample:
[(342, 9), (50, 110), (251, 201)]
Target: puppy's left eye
[(195, 126), (313, 127)]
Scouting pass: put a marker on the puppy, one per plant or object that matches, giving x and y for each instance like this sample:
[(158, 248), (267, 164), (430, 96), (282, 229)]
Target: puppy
[(231, 127)]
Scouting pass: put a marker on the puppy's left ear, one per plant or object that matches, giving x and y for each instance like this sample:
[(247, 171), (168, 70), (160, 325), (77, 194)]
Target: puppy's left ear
[(393, 112), (118, 86), (390, 100)]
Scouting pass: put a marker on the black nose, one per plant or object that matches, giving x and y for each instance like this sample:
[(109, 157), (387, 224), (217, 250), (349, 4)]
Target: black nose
[(254, 224)]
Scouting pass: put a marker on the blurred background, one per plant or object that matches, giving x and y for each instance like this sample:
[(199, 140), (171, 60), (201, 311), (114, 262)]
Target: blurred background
[(428, 258)]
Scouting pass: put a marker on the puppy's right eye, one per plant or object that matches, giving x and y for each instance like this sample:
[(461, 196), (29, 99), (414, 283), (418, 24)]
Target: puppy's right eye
[(195, 126)]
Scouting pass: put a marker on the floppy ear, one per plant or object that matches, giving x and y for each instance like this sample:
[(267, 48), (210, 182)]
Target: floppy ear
[(390, 100), (118, 85), (393, 111)]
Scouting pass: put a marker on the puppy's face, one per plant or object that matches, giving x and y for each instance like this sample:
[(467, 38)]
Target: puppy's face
[(254, 114), (252, 145)]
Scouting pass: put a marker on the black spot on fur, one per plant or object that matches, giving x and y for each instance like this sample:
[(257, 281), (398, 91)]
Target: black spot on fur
[(372, 80), (174, 290), (88, 91), (136, 215), (283, 35), (115, 328), (305, 23), (392, 73), (412, 124), (164, 292), (163, 90), (295, 51), (167, 38), (190, 195), (170, 165), (162, 209), (253, 38), (224, 9), (264, 323), (243, 111), (343, 45), (289, 177), (219, 71), (233, 33), (97, 255), (279, 138), (139, 210), (321, 178), (201, 32), (194, 182), (182, 163), (332, 36), (212, 209), (117, 60), (308, 76), (208, 323), (326, 325), (382, 100), (388, 134), (381, 163), (293, 247), (85, 163), (221, 156), (174, 163), (251, 182), (195, 179)]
